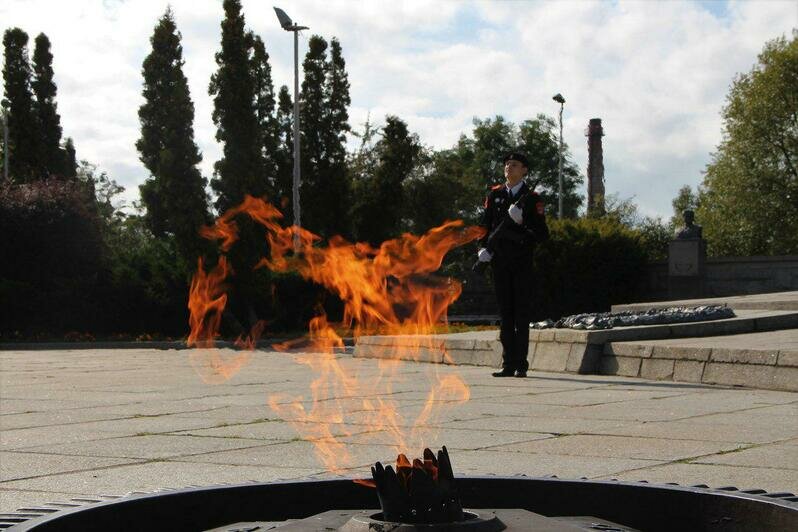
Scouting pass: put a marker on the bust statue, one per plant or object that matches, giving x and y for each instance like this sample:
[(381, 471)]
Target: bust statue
[(691, 230)]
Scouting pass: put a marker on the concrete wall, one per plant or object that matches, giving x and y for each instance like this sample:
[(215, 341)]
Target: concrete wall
[(730, 276)]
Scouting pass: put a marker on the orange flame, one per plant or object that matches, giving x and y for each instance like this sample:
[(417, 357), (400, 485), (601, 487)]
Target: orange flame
[(388, 290)]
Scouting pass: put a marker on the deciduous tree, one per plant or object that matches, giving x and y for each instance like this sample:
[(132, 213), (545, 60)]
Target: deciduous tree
[(749, 195), (381, 202)]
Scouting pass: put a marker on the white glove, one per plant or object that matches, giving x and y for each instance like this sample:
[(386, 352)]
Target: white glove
[(516, 213), (483, 255)]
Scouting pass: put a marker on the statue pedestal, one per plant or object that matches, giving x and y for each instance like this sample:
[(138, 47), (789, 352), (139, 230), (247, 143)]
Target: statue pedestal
[(687, 268)]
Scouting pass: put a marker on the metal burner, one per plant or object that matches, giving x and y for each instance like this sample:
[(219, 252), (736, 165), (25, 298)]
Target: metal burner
[(632, 505)]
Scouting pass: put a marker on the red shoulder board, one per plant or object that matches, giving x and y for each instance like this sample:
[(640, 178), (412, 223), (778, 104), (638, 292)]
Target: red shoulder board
[(496, 187)]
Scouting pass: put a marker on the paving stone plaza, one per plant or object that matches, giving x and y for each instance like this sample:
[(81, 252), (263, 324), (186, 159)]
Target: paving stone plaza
[(89, 422)]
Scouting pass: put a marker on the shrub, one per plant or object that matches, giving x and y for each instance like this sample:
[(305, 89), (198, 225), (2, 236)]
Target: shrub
[(586, 266), (52, 244)]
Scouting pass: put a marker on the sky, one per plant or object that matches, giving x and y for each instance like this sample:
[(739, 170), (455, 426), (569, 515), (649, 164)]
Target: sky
[(656, 72)]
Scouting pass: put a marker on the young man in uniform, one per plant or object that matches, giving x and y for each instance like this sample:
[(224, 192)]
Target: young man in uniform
[(510, 254)]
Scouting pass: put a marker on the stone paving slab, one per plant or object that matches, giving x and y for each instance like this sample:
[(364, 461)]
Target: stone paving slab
[(703, 430), (605, 446), (772, 301), (15, 439), (773, 341), (541, 425), (564, 466), (93, 422), (456, 439), (155, 475), (21, 465), (779, 455), (148, 447)]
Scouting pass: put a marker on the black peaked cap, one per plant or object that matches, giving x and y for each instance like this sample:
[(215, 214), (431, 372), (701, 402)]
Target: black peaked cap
[(516, 156)]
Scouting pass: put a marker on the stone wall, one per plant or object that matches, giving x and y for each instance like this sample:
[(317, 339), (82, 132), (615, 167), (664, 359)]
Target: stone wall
[(730, 276)]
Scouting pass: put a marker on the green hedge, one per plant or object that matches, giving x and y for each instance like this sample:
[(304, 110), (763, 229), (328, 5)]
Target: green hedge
[(586, 266), (70, 271), (52, 257)]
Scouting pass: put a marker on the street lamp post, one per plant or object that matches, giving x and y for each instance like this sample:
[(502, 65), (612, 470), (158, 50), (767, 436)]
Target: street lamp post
[(559, 99), (288, 25)]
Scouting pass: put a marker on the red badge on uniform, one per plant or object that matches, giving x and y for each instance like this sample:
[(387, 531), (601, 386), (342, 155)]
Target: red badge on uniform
[(539, 207)]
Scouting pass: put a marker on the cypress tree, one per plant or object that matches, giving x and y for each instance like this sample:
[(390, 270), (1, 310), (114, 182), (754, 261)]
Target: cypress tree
[(241, 87), (264, 111), (326, 187), (70, 160), (174, 194), (22, 124), (52, 159), (239, 171), (336, 184), (337, 95), (285, 153), (312, 123)]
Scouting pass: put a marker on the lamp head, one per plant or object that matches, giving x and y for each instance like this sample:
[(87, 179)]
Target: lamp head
[(285, 20), (558, 98)]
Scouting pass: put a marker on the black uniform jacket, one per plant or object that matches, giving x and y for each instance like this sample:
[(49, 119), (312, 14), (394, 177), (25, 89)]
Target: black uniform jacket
[(516, 240)]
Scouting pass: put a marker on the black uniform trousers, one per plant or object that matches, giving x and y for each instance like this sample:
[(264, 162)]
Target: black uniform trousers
[(512, 279)]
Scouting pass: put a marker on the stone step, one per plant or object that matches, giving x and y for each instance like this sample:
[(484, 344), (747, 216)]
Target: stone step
[(568, 350), (745, 321), (480, 348), (765, 360), (772, 301), (580, 351)]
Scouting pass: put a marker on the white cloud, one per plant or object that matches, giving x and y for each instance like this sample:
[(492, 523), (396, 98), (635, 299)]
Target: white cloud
[(656, 72)]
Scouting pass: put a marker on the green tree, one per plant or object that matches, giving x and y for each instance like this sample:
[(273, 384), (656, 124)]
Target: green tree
[(336, 186), (324, 99), (749, 195), (654, 234), (174, 194), (240, 89), (232, 86), (312, 122), (18, 102), (70, 159), (455, 181), (264, 111), (442, 189), (381, 198), (284, 157), (51, 157), (538, 138)]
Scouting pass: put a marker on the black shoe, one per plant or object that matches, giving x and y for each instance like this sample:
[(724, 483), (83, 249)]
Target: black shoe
[(504, 373), (521, 373)]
